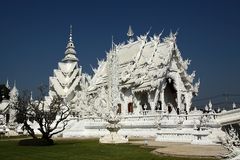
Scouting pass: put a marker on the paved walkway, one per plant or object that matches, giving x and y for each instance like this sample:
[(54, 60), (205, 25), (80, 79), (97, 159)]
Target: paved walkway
[(183, 149)]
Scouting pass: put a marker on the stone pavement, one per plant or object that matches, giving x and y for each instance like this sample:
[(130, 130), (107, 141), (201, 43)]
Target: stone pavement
[(183, 149)]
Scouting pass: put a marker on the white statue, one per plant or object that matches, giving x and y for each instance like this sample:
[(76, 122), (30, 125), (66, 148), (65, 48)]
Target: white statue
[(232, 143)]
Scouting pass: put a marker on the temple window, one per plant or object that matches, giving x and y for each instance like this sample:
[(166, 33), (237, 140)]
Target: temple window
[(119, 109), (130, 107)]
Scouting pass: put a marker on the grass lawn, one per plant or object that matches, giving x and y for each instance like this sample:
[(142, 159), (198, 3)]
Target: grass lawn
[(78, 150)]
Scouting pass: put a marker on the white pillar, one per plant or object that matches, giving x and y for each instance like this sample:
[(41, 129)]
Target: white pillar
[(150, 101), (136, 109), (188, 100), (162, 100), (179, 99), (178, 92), (156, 98)]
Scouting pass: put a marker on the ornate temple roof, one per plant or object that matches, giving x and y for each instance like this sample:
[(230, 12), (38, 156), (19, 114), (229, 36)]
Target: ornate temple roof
[(145, 62)]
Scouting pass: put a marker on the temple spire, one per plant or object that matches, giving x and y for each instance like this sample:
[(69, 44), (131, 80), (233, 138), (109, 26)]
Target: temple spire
[(70, 53), (130, 34)]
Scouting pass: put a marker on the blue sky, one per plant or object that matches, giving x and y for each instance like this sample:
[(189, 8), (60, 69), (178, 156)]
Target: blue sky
[(33, 36)]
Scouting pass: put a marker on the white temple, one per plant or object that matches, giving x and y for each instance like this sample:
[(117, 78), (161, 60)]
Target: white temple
[(144, 85), (148, 87), (154, 91)]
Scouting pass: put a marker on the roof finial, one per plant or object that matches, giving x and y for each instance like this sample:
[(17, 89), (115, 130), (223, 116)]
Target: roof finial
[(14, 84), (14, 92), (7, 84), (31, 96), (130, 32), (70, 35), (210, 105), (113, 44), (112, 41)]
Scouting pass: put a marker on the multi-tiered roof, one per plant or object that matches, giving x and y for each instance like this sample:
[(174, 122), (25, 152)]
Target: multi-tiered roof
[(145, 62)]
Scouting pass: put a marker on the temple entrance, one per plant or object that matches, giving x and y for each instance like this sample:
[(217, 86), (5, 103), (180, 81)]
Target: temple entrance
[(144, 101), (170, 96), (158, 106)]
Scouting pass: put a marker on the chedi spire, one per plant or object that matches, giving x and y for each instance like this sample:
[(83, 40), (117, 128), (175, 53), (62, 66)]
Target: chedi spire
[(70, 53)]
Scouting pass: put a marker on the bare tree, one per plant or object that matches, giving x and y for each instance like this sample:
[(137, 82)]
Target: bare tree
[(51, 117)]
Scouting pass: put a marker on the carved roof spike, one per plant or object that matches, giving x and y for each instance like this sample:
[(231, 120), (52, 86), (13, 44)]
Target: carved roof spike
[(173, 38), (130, 32), (7, 84), (14, 91), (31, 96), (210, 105), (157, 37)]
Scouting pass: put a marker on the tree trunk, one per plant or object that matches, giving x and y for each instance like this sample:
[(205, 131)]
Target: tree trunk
[(30, 130), (45, 136)]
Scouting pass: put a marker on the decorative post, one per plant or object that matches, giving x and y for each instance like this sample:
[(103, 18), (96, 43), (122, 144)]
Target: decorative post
[(113, 99)]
